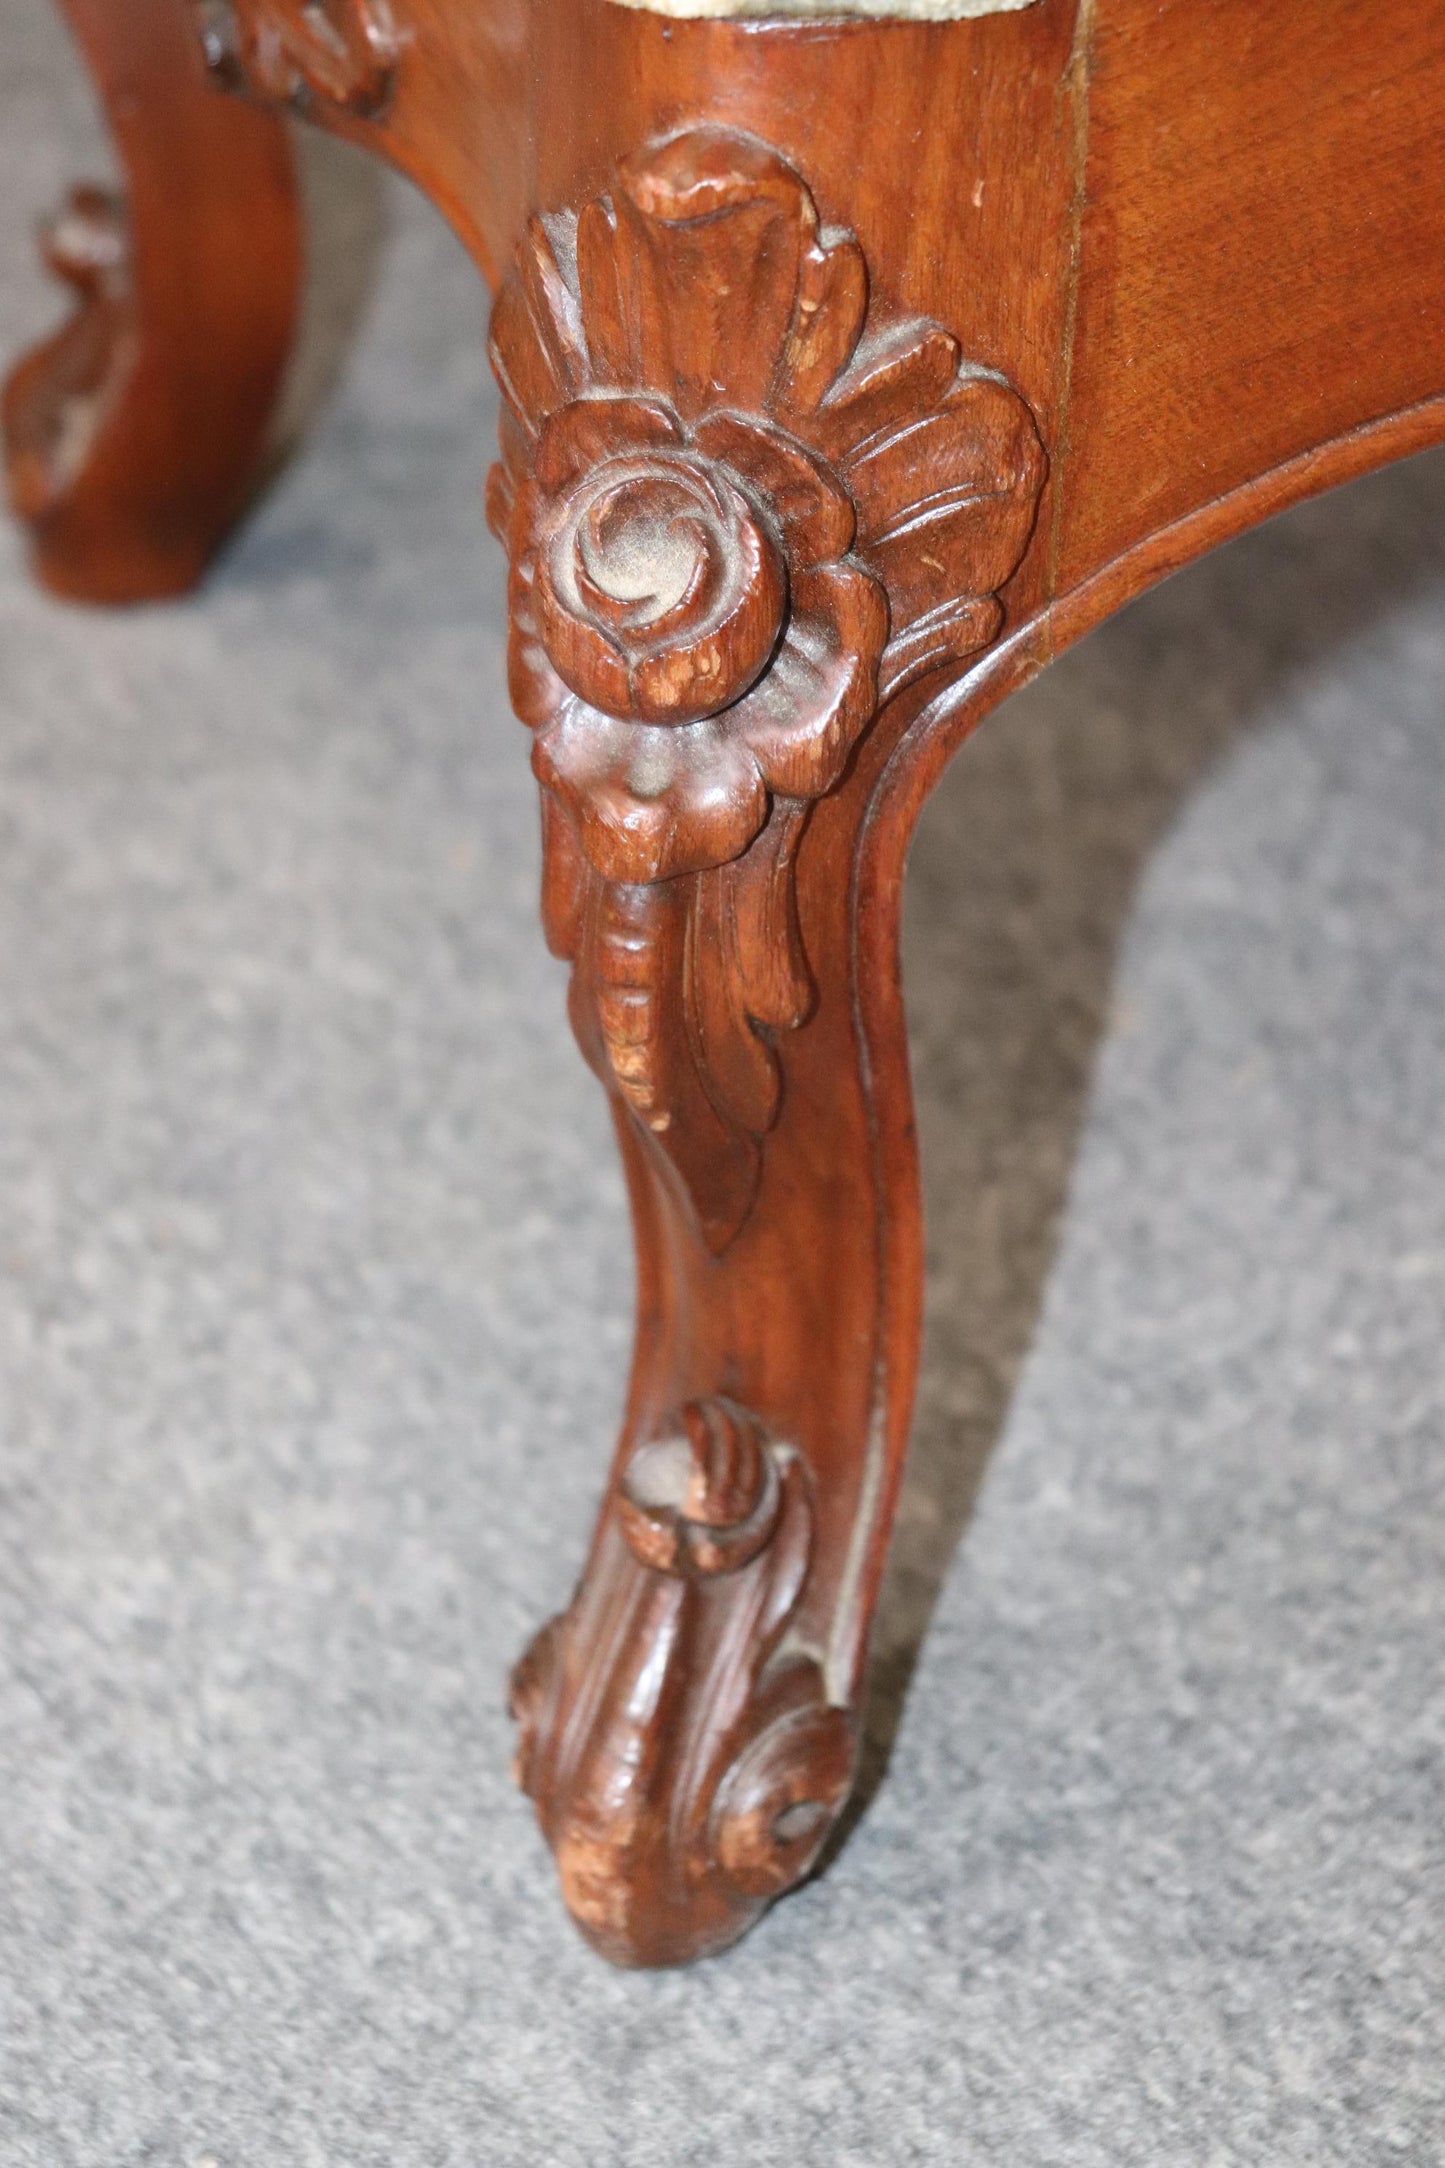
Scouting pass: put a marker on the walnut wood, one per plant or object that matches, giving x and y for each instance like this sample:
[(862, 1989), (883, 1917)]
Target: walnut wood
[(850, 372), (134, 435)]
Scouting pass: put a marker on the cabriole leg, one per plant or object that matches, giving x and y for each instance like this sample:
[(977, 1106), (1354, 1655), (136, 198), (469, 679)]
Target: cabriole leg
[(747, 516), (134, 435)]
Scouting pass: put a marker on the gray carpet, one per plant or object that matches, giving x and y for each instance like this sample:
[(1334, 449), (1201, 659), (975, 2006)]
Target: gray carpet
[(314, 1310)]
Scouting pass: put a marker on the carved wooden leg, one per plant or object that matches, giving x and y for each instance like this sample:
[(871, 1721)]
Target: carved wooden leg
[(745, 517), (135, 433), (776, 543)]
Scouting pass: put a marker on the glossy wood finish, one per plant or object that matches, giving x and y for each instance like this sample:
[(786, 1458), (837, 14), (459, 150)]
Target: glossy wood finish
[(134, 435), (853, 371)]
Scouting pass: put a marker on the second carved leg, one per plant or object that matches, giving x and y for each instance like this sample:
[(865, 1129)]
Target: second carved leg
[(134, 435), (747, 516)]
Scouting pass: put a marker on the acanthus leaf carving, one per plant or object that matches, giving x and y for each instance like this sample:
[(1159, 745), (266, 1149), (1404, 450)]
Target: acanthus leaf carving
[(740, 515), (682, 1755), (342, 52)]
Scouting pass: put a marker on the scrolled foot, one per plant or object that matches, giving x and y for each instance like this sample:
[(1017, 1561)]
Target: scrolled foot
[(682, 1755)]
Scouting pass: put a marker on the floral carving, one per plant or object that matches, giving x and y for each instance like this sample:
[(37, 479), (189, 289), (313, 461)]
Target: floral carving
[(340, 51), (739, 516), (685, 1763)]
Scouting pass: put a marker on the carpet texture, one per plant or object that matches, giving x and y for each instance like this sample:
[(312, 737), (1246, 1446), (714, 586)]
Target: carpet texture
[(314, 1314)]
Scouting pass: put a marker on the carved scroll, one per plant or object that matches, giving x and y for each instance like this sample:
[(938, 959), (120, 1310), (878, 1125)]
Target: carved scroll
[(684, 1760), (339, 51), (55, 403), (740, 512)]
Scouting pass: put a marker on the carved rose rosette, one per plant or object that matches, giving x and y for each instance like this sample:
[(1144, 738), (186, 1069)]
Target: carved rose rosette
[(737, 520)]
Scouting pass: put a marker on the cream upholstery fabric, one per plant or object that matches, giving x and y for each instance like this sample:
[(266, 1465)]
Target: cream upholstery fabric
[(928, 11)]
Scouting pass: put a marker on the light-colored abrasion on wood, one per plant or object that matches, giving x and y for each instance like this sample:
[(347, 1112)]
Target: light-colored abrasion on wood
[(909, 11)]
